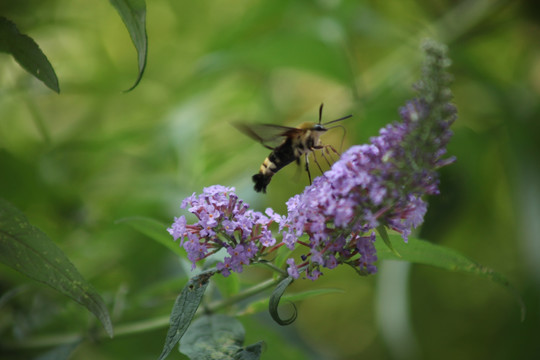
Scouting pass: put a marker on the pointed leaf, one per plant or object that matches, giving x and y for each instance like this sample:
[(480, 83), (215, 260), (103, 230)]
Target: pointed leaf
[(274, 302), (133, 14), (184, 309), (62, 352), (27, 53), (423, 252), (28, 250), (381, 229), (155, 230)]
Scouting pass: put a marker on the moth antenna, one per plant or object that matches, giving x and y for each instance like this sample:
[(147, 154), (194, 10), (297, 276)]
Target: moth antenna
[(340, 119)]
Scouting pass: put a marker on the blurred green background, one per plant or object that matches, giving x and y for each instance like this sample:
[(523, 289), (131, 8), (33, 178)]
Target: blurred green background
[(77, 162)]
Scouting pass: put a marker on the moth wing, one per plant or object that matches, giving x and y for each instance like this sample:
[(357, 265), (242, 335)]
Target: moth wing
[(268, 135)]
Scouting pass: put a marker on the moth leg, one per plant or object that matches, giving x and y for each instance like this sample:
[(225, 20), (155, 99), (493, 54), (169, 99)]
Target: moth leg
[(325, 158), (307, 167), (333, 149), (322, 148), (316, 162)]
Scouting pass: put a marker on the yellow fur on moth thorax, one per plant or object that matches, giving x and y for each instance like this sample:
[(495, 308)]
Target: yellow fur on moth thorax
[(291, 149), (306, 142), (307, 125)]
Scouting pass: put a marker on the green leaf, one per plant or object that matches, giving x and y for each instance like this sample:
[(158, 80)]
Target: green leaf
[(251, 352), (283, 49), (184, 309), (423, 252), (274, 302), (381, 229), (27, 53), (62, 352), (133, 14), (155, 230), (228, 286), (283, 253), (218, 337), (260, 305), (28, 250)]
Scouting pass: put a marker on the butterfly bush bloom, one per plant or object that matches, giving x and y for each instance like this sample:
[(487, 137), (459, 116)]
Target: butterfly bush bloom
[(380, 184), (377, 184), (224, 222)]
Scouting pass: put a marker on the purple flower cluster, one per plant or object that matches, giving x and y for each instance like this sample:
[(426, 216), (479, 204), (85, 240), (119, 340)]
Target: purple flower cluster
[(378, 184), (224, 222)]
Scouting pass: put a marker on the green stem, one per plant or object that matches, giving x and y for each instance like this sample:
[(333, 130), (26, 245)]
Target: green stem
[(254, 290), (274, 268), (135, 327)]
